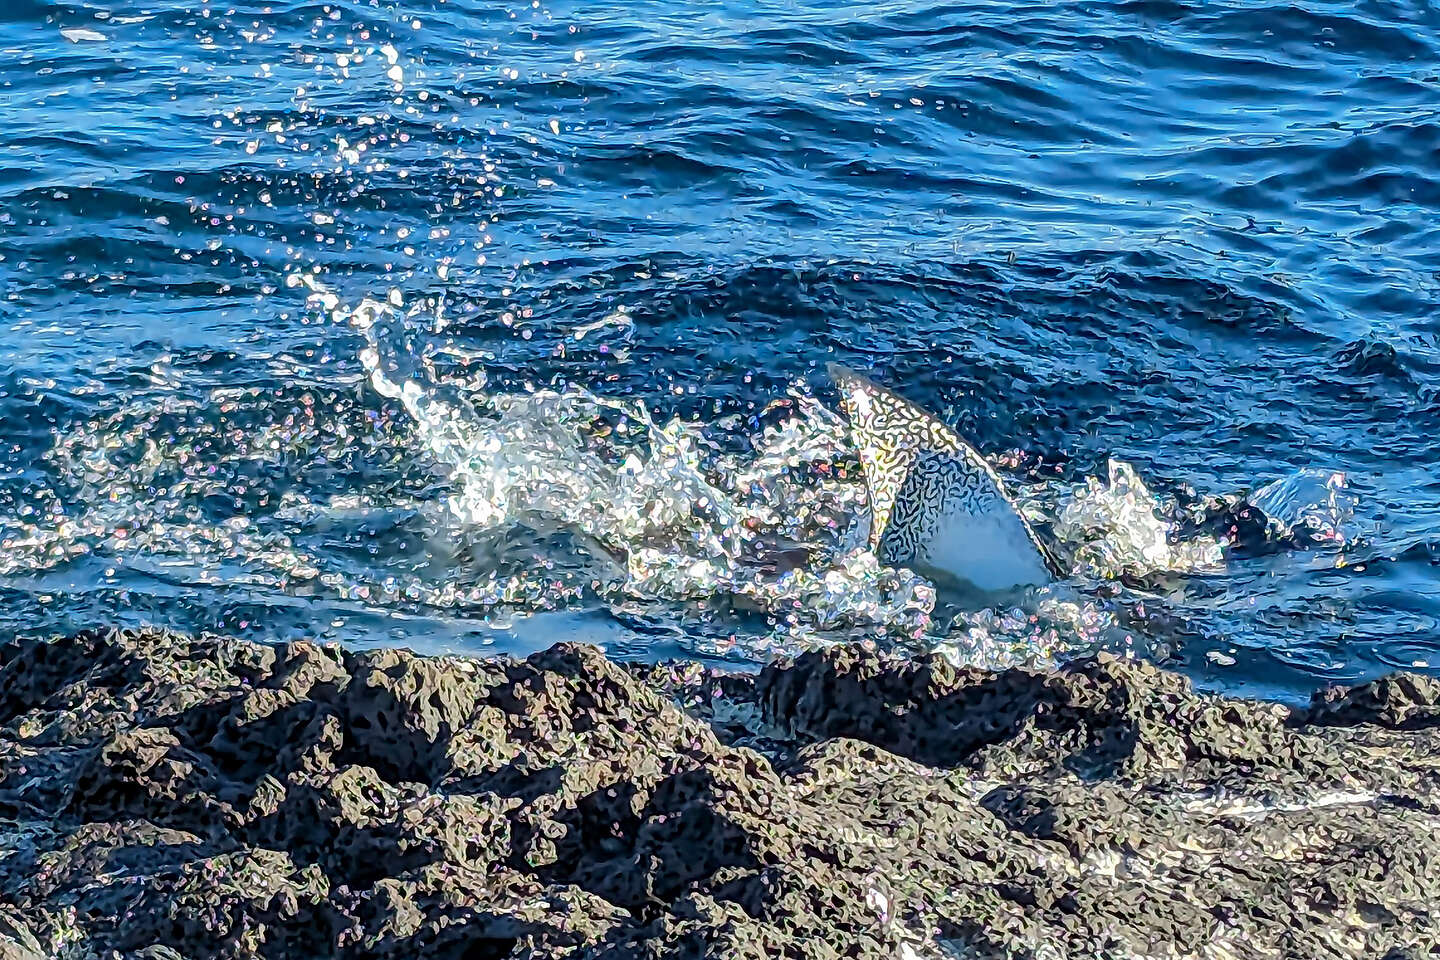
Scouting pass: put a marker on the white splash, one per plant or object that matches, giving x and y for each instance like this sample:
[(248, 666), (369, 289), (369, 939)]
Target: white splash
[(771, 529), (1117, 527)]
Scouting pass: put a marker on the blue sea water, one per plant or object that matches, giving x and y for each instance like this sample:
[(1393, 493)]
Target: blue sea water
[(473, 326)]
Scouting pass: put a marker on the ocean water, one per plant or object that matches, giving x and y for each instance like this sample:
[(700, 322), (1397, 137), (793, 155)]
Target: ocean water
[(474, 326)]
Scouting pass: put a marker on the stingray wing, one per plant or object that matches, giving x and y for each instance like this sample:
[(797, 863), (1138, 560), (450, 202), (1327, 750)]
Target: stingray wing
[(933, 500), (887, 435), (951, 518)]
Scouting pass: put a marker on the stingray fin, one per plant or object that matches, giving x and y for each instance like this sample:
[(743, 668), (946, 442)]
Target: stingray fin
[(925, 484), (886, 432)]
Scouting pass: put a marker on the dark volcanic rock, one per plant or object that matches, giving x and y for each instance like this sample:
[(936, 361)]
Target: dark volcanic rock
[(169, 797)]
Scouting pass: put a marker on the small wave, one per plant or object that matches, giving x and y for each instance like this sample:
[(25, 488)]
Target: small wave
[(1310, 505), (1367, 358)]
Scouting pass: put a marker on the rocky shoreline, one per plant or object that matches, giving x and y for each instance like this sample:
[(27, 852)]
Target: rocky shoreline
[(168, 797)]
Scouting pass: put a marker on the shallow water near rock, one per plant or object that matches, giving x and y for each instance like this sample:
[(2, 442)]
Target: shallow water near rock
[(472, 327)]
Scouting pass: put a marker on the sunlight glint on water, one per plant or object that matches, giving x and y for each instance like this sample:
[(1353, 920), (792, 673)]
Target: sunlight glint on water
[(623, 241)]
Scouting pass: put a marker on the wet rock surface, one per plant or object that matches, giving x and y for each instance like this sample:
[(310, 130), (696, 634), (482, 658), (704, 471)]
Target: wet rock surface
[(167, 797)]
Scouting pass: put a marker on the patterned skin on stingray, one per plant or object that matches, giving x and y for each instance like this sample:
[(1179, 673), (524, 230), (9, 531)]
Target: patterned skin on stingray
[(934, 501)]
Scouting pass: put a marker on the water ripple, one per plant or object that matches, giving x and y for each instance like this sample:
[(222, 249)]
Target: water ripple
[(1190, 246)]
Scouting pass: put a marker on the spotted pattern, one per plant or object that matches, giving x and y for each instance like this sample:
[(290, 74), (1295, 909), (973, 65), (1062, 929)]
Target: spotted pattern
[(925, 482)]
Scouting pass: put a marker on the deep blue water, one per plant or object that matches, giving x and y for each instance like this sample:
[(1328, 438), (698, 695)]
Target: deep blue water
[(1202, 239)]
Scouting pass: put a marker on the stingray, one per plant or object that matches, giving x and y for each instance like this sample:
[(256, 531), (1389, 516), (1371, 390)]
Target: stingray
[(936, 506)]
